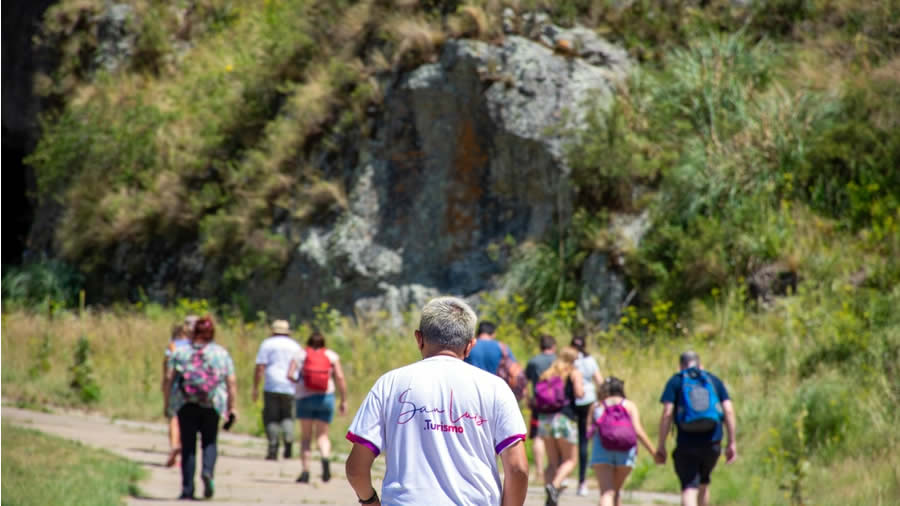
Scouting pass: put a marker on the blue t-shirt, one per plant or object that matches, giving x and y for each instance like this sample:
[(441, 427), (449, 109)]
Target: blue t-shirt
[(486, 355), (670, 394)]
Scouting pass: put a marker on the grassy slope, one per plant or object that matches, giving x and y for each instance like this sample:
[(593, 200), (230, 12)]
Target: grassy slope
[(39, 469)]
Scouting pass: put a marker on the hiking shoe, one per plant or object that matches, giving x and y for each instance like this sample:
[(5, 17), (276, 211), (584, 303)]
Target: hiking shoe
[(287, 450), (326, 470), (186, 497), (272, 454), (582, 490), (304, 477), (209, 486), (552, 494)]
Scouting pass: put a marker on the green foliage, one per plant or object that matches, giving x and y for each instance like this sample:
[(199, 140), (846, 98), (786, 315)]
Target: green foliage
[(326, 319), (42, 362), (49, 283), (84, 383), (850, 168)]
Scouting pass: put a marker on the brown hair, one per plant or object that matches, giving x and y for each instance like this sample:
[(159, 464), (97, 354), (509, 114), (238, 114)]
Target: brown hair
[(613, 386), (205, 329), (547, 342), (316, 340)]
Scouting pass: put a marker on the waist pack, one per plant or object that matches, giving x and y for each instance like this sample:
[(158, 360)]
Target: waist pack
[(198, 378), (615, 428), (699, 407), (512, 373), (316, 370), (550, 395)]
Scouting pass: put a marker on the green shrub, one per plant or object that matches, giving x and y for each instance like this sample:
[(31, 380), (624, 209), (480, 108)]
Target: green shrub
[(46, 282), (84, 383)]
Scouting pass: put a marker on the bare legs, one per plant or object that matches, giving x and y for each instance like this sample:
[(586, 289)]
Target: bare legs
[(695, 496), (174, 441), (308, 428), (306, 432), (563, 457), (611, 479), (322, 441), (539, 452)]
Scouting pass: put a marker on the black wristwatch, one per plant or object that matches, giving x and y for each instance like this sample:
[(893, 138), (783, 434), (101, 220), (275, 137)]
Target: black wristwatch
[(372, 499)]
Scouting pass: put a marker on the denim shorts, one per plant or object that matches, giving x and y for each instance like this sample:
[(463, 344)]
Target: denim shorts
[(600, 455), (317, 407)]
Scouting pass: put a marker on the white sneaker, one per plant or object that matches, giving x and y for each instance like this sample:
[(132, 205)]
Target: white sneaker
[(582, 490)]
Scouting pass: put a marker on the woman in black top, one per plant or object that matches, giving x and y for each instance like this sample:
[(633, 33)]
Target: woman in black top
[(559, 429)]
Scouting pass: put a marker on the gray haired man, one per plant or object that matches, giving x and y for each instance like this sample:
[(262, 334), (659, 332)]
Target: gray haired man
[(698, 445), (441, 424)]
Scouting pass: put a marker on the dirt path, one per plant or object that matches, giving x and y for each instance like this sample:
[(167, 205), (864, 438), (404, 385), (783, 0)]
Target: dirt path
[(242, 476)]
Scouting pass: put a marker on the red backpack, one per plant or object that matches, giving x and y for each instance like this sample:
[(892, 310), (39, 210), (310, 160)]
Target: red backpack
[(316, 370)]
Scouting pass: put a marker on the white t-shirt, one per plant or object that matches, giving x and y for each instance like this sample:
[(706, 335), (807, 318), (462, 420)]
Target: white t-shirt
[(588, 367), (301, 390), (275, 353), (441, 424)]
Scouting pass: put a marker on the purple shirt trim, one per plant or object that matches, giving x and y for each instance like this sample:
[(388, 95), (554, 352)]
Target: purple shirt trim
[(353, 438), (509, 441)]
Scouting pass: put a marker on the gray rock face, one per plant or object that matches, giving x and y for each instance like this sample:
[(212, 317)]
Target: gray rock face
[(116, 41), (602, 289), (469, 150)]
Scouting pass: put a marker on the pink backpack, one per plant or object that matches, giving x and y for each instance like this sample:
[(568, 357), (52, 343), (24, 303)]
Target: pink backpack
[(615, 428)]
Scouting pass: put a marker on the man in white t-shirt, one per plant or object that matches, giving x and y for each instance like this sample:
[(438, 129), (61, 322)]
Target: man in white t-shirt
[(441, 424), (272, 360)]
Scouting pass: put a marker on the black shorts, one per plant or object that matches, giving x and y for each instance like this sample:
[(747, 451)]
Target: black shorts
[(533, 426), (693, 465)]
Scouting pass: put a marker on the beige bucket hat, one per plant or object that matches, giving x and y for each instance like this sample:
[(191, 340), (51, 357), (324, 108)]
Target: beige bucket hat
[(281, 327)]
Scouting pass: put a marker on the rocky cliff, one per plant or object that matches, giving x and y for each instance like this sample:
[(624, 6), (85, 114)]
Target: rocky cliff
[(467, 153), (462, 159)]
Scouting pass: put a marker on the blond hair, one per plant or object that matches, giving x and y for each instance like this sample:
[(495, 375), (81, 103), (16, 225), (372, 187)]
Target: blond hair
[(563, 365)]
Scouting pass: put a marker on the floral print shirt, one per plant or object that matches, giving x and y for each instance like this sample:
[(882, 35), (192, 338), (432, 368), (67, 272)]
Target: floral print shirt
[(214, 357)]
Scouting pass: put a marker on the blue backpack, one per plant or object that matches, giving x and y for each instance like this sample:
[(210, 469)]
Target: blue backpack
[(699, 407)]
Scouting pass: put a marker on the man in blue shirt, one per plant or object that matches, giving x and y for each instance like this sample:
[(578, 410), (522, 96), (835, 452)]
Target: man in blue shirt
[(696, 453), (488, 352)]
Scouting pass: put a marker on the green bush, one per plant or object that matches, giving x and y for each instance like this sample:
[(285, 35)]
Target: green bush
[(84, 382), (48, 282)]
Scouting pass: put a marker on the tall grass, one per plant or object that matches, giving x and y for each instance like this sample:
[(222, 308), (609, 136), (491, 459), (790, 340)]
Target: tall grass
[(811, 377)]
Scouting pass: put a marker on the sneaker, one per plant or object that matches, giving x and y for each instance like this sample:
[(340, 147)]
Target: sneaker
[(287, 450), (186, 497), (582, 490), (552, 494), (304, 477), (326, 470), (272, 454), (209, 486)]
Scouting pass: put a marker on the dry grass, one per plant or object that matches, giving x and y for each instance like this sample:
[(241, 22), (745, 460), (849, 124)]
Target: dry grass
[(415, 39)]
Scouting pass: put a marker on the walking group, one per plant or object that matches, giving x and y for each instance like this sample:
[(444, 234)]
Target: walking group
[(200, 390), (442, 423)]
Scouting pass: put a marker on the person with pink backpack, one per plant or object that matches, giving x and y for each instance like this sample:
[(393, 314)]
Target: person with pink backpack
[(616, 430), (554, 401)]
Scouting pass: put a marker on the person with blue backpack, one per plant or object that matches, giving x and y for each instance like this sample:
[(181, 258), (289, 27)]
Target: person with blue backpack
[(699, 404)]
